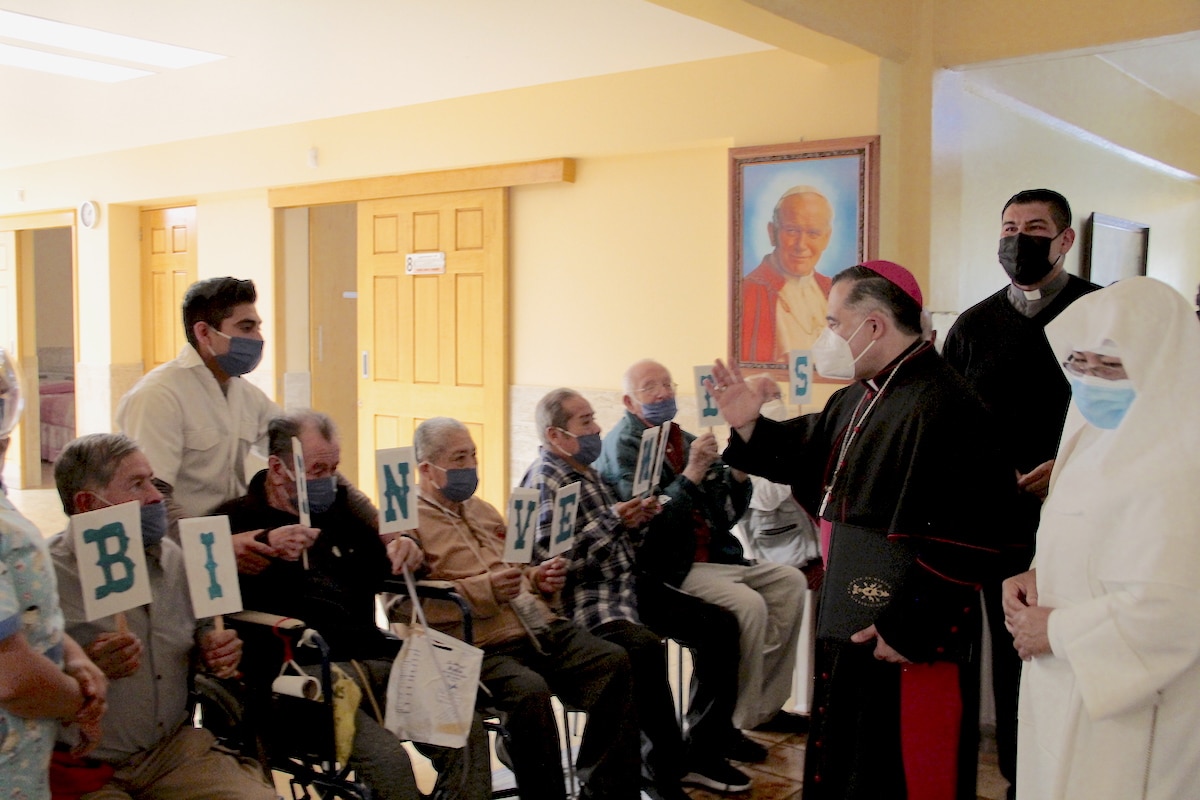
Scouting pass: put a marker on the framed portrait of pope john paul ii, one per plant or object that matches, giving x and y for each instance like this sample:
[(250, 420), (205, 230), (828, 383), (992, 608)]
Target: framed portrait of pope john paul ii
[(799, 214)]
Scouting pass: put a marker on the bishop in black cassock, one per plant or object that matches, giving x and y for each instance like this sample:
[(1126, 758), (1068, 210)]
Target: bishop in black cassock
[(904, 465)]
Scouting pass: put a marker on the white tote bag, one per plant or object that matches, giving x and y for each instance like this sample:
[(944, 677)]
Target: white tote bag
[(432, 687)]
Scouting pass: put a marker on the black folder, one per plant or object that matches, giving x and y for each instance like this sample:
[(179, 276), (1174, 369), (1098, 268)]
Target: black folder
[(864, 573)]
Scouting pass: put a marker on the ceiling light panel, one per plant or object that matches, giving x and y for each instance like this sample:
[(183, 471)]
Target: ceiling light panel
[(67, 65), (63, 36)]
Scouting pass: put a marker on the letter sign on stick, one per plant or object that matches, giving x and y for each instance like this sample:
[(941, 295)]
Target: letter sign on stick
[(562, 523), (706, 404), (522, 525), (211, 566), (395, 469), (643, 474), (799, 376), (111, 559)]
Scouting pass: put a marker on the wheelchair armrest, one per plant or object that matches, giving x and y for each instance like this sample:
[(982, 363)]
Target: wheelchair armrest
[(434, 590), (269, 620)]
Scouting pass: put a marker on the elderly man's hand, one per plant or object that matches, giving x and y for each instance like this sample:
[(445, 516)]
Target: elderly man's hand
[(290, 541), (405, 554), (252, 556), (118, 655), (506, 583), (739, 403), (701, 456), (551, 576), (637, 512), (222, 652)]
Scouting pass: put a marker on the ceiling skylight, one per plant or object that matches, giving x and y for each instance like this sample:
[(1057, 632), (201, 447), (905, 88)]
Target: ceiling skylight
[(72, 44)]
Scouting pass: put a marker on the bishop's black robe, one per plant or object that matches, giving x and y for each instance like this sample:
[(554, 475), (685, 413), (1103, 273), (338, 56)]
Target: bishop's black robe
[(925, 470)]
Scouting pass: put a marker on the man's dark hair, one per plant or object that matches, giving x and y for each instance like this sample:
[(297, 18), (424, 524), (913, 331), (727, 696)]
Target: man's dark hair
[(281, 430), (873, 289), (1060, 209), (212, 301)]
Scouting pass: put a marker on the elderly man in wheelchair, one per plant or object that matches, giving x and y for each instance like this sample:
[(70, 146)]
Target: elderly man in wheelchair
[(328, 575)]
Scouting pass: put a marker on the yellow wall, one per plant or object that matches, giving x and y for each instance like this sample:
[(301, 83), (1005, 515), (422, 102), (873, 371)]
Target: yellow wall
[(649, 209), (986, 153)]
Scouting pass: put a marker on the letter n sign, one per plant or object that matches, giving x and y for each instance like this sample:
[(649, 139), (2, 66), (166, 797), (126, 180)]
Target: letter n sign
[(395, 472), (111, 560)]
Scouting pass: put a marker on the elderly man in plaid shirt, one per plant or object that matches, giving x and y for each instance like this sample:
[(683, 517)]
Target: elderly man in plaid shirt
[(601, 595)]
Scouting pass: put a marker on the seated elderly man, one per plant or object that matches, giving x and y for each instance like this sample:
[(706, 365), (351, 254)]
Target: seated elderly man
[(690, 546), (601, 595), (148, 747), (529, 652), (335, 594)]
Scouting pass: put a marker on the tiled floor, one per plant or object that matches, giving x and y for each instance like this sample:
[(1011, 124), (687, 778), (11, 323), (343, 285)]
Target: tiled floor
[(779, 778)]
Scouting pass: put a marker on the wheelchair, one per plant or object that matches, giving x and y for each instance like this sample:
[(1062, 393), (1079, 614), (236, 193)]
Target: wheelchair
[(292, 736)]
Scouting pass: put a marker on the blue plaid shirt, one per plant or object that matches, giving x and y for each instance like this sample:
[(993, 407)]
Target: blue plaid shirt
[(600, 564)]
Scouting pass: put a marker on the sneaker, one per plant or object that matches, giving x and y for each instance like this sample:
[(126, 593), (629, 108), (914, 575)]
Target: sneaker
[(785, 722), (718, 775), (743, 748), (663, 791)]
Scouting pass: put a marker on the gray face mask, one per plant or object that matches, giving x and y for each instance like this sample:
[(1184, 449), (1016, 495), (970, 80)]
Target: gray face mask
[(243, 355)]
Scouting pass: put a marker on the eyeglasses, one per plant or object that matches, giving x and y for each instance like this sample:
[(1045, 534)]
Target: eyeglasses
[(1109, 372), (666, 386)]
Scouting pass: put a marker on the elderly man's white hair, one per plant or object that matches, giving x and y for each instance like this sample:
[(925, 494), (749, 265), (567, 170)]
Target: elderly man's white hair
[(627, 379), (429, 439), (795, 190)]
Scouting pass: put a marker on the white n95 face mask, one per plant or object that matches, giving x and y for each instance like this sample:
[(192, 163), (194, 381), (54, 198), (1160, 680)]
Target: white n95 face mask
[(833, 357)]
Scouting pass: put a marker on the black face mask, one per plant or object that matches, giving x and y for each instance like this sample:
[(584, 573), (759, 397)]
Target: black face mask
[(1026, 258)]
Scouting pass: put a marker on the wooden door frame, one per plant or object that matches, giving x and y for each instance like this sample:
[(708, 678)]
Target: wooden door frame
[(28, 456), (495, 176)]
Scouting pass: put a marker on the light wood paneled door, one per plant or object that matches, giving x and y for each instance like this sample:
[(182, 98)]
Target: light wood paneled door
[(18, 335), (435, 344), (332, 284), (168, 269)]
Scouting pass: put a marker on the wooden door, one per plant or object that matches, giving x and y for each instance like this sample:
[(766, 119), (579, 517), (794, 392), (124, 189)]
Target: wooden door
[(434, 344), (333, 307), (22, 467), (168, 269)]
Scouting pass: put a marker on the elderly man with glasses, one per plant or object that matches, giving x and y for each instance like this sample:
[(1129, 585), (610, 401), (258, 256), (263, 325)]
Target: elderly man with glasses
[(689, 546)]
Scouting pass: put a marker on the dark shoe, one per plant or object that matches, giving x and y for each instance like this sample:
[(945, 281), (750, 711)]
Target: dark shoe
[(718, 775), (785, 722), (743, 748)]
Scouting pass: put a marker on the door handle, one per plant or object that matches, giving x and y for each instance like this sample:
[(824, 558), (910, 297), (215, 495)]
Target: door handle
[(364, 365)]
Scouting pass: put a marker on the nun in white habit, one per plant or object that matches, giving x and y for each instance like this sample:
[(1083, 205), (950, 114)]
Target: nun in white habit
[(1108, 622)]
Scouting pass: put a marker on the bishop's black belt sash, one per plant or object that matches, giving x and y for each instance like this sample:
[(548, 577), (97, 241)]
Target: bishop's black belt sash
[(863, 575)]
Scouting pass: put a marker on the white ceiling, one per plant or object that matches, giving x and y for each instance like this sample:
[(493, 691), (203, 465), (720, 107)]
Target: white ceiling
[(296, 60)]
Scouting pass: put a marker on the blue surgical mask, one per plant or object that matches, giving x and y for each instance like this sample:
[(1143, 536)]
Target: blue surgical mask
[(153, 519), (154, 523), (589, 446), (659, 412), (243, 356), (460, 483), (1102, 402), (322, 492)]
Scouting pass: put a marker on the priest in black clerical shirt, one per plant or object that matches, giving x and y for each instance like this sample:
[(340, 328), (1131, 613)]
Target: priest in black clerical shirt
[(999, 345)]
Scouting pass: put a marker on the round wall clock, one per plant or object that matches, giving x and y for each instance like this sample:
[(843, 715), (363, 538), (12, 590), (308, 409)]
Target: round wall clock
[(89, 214)]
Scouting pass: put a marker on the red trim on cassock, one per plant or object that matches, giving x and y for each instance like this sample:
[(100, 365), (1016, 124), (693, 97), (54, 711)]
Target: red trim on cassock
[(930, 721)]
